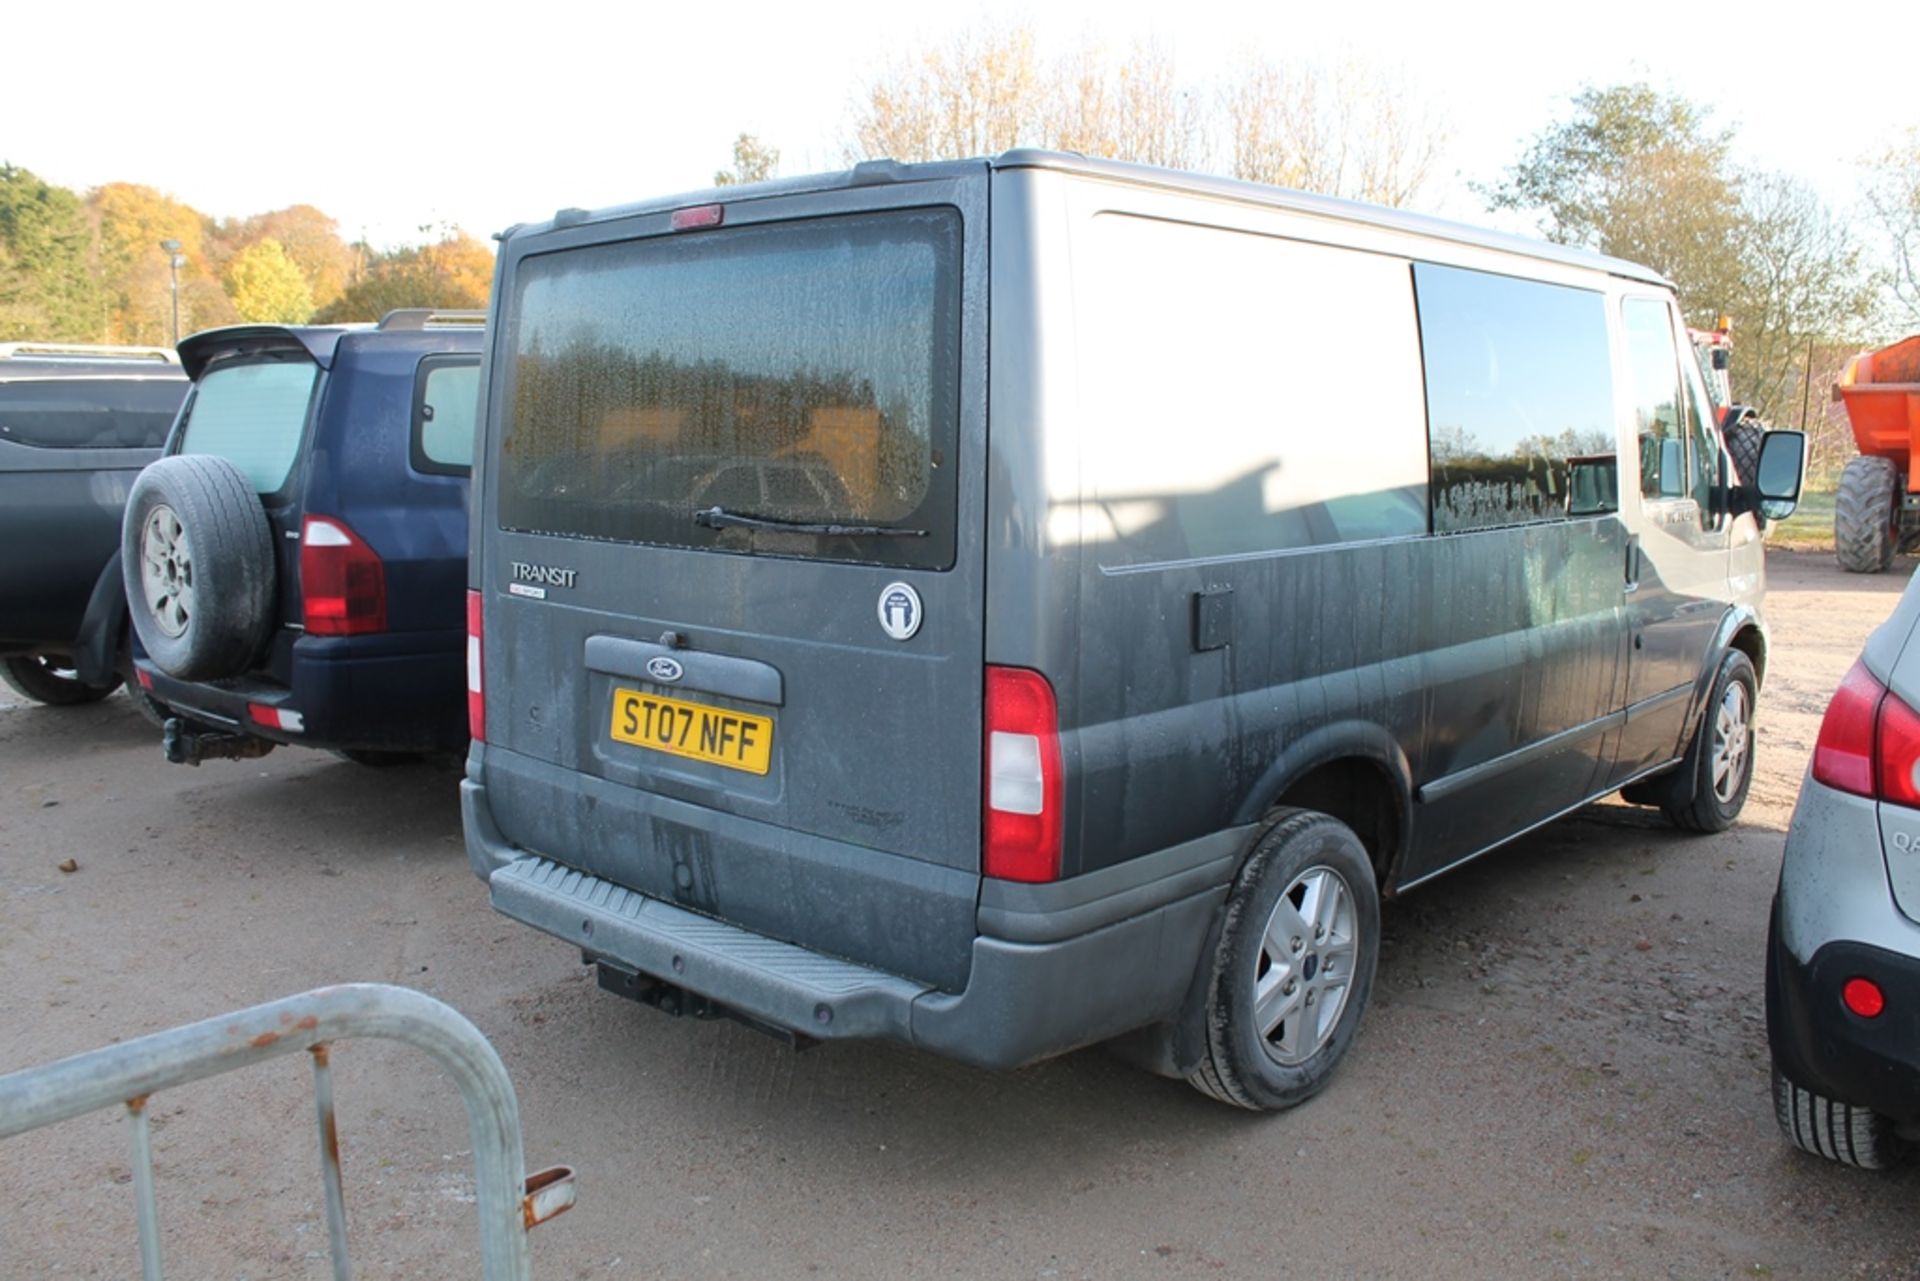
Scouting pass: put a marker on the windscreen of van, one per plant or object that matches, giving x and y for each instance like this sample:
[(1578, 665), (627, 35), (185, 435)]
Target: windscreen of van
[(792, 375), (253, 415), (90, 413)]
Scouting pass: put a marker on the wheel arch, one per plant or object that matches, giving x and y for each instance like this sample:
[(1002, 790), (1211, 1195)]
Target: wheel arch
[(1355, 771), (103, 628)]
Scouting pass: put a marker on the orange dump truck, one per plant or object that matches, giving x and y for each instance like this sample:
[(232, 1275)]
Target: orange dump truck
[(1877, 511)]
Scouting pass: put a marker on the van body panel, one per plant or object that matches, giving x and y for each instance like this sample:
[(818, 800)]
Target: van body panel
[(1496, 647)]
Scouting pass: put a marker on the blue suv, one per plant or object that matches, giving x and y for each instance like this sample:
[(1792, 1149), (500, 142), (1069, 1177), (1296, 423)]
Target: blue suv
[(295, 564)]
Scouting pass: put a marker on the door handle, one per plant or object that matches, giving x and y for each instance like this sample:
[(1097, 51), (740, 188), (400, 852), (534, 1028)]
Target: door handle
[(1633, 562)]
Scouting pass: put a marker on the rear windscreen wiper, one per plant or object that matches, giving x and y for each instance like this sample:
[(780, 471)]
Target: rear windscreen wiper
[(721, 518)]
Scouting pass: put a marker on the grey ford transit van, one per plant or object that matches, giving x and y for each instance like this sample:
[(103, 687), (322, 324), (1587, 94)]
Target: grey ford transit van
[(1008, 605)]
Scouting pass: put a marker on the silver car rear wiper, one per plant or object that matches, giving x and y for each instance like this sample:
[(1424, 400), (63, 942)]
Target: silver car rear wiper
[(721, 518)]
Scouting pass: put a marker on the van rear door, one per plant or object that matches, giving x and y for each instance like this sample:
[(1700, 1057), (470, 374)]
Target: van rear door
[(732, 559)]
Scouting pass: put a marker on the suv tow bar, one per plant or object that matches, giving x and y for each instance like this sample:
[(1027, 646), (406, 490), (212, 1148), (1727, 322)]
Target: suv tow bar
[(187, 743)]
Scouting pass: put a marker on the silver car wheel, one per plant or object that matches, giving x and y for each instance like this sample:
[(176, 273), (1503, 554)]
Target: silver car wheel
[(1304, 969), (166, 570), (1732, 742)]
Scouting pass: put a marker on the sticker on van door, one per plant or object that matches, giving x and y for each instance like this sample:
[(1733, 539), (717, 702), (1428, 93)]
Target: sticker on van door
[(899, 611)]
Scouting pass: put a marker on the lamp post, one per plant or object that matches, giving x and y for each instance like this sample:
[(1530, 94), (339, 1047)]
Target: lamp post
[(174, 263)]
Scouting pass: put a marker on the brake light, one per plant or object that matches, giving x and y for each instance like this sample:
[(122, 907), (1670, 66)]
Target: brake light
[(343, 584), (698, 216), (1843, 754), (1869, 742), (1897, 744), (1021, 839), (476, 689)]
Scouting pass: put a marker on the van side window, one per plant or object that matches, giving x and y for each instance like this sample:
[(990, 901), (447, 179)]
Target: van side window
[(1659, 412), (446, 391), (1243, 394), (1703, 425), (1519, 399)]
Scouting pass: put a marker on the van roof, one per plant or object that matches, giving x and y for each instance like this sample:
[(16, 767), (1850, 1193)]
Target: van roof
[(880, 172), (1324, 206)]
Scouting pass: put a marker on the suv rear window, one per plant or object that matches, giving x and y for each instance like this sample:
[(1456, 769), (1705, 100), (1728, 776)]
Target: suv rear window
[(795, 372), (253, 415), (90, 413)]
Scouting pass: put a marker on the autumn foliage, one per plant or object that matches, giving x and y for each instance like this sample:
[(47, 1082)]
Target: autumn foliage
[(90, 268)]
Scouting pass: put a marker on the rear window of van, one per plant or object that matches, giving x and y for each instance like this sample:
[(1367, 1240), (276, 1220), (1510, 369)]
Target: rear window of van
[(789, 374)]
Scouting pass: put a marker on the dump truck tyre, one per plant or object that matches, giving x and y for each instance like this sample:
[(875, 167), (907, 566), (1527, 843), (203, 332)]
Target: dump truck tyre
[(1863, 516)]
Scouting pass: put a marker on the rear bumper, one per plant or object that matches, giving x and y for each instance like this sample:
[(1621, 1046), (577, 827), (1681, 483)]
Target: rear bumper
[(348, 694), (1023, 1000), (1822, 1046), (1834, 918)]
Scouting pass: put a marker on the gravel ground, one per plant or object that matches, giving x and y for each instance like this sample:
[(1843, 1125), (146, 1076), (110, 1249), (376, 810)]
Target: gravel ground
[(1563, 1074)]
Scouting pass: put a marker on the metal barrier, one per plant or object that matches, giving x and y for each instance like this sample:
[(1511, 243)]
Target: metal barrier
[(510, 1204)]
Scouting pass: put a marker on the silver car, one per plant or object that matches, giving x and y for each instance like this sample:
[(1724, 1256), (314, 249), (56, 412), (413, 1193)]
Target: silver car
[(1843, 957)]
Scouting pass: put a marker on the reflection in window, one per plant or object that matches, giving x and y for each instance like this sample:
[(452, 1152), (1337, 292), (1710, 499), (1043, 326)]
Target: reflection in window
[(89, 413), (1703, 427), (801, 371), (1659, 420), (1519, 399)]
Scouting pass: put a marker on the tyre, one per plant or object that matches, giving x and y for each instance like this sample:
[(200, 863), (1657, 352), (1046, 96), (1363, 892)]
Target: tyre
[(50, 681), (197, 556), (1744, 439), (1294, 964), (1838, 1131), (1709, 789), (1865, 519)]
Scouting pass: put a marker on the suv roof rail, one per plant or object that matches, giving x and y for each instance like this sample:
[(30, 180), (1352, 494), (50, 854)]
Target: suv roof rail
[(85, 351), (421, 317)]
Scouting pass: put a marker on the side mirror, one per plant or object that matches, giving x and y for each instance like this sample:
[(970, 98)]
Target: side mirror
[(1781, 473)]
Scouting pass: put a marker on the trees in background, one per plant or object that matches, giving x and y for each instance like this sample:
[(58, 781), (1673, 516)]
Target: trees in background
[(1640, 174), (311, 240), (266, 286), (1893, 196), (1344, 130), (46, 287), (981, 91), (91, 269), (753, 161), (453, 273), (1336, 129)]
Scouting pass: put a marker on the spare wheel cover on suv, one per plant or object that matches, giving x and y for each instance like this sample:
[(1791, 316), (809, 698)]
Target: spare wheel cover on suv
[(197, 555)]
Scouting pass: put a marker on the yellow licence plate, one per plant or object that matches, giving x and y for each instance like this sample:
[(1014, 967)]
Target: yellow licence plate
[(716, 735)]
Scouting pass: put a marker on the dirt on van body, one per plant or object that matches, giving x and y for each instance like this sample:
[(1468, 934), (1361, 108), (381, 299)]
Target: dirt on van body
[(1564, 1072)]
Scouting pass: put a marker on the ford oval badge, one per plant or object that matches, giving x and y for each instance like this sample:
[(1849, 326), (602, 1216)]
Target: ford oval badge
[(665, 670)]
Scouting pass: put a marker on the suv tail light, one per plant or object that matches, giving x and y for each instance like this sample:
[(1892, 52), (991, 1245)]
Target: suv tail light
[(476, 688), (1869, 742), (343, 585), (1021, 839)]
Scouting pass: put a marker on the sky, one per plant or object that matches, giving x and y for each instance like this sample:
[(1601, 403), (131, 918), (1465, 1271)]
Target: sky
[(398, 117)]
